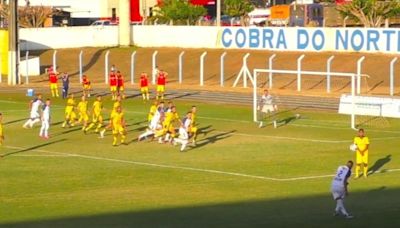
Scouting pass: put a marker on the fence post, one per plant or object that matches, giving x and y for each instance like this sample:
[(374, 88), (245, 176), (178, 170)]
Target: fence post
[(27, 67), (154, 65), (133, 55), (359, 62), (271, 58), (80, 66), (328, 74), (244, 71), (106, 61), (392, 76), (202, 68), (222, 58), (55, 60), (299, 72), (353, 88), (180, 70)]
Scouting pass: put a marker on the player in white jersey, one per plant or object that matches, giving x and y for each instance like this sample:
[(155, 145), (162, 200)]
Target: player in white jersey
[(34, 114), (155, 125), (44, 130), (184, 130), (266, 107), (339, 188)]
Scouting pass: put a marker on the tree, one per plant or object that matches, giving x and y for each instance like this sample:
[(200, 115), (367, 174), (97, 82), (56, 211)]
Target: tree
[(29, 16), (237, 8), (180, 11), (371, 13)]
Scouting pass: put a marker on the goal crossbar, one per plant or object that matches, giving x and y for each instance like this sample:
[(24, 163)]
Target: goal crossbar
[(353, 77)]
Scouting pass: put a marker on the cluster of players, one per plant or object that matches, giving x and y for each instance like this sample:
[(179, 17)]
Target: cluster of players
[(164, 123), (116, 83)]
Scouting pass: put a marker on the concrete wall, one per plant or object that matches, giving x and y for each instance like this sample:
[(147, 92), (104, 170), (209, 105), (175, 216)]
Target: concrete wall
[(68, 37), (379, 40)]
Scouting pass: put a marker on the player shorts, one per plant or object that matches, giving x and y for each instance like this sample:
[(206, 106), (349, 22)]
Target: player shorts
[(70, 114), (34, 115), (193, 129), (118, 130), (121, 88), (144, 89), (362, 158), (338, 192), (267, 108), (83, 117), (86, 87), (97, 118), (183, 134), (53, 86), (161, 88), (113, 88)]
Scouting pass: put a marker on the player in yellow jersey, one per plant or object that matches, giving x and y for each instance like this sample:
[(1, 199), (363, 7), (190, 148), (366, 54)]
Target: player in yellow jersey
[(83, 112), (70, 115), (1, 129), (152, 112), (362, 143), (169, 124), (116, 105), (97, 117), (193, 129), (118, 126)]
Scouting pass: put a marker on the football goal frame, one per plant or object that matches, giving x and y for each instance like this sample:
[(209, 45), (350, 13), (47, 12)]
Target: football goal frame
[(353, 76)]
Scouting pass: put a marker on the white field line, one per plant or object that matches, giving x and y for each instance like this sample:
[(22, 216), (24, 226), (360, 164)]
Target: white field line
[(194, 169), (42, 155)]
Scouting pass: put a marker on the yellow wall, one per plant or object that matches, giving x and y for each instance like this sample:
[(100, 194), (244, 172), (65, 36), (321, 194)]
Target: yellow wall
[(4, 51)]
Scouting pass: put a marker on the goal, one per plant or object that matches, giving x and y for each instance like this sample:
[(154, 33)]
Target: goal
[(353, 76)]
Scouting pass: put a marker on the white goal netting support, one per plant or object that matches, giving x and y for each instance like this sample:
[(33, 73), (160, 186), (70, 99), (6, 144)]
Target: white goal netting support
[(353, 76)]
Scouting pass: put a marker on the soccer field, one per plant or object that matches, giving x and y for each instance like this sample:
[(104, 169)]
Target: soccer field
[(238, 175)]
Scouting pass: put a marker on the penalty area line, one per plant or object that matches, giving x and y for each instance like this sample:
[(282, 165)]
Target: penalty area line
[(197, 169)]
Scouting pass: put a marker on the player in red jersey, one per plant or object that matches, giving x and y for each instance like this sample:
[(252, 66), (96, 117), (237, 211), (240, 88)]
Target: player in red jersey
[(86, 86), (161, 81), (53, 83), (144, 86), (113, 85), (120, 85)]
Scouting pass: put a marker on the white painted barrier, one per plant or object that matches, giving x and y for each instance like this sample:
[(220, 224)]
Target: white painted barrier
[(328, 73), (106, 62), (80, 66), (222, 71), (359, 65), (394, 60), (68, 37), (180, 67), (202, 57), (299, 72), (133, 57), (270, 68)]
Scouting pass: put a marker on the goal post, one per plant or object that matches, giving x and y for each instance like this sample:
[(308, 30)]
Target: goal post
[(352, 76)]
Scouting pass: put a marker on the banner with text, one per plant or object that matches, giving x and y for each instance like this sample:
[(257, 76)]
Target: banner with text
[(311, 39)]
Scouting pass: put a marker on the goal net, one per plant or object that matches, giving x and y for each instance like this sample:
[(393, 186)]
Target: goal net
[(352, 101)]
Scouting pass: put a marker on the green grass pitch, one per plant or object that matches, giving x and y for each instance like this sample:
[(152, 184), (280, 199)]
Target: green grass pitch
[(237, 176)]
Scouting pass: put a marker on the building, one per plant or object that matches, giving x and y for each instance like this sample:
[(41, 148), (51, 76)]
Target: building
[(85, 12)]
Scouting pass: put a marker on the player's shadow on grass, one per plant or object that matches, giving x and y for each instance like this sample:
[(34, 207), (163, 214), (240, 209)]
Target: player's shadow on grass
[(213, 139), (286, 120), (14, 121), (379, 164), (33, 147), (204, 130)]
